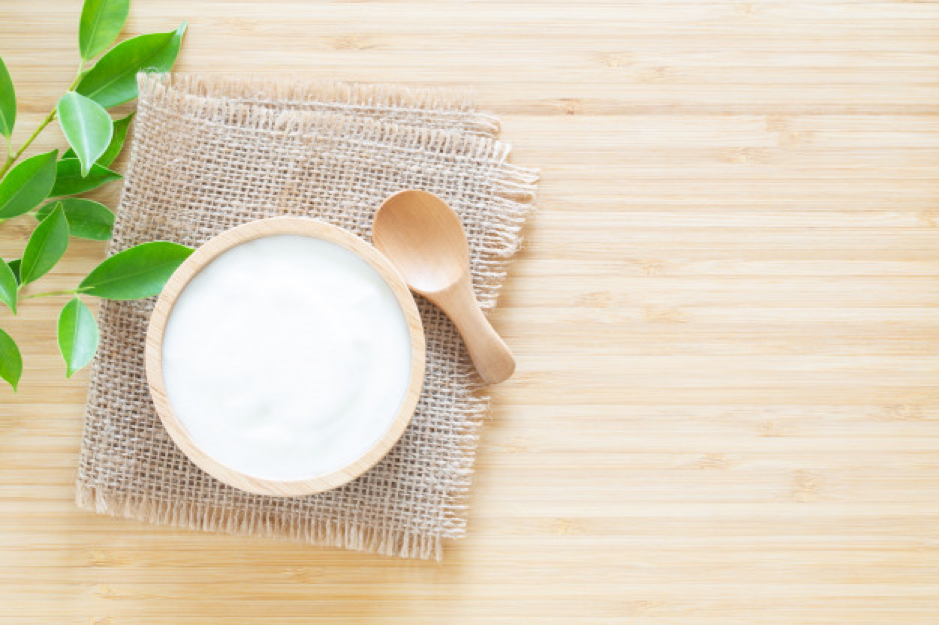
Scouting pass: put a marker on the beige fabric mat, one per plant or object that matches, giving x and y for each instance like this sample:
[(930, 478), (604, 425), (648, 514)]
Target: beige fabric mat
[(211, 153)]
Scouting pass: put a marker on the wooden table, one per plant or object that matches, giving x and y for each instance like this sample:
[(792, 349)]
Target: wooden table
[(726, 321)]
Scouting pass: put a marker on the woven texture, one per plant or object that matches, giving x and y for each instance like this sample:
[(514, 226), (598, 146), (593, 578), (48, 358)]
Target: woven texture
[(210, 154)]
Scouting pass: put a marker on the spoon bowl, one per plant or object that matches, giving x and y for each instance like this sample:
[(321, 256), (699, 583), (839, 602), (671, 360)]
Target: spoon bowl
[(424, 239)]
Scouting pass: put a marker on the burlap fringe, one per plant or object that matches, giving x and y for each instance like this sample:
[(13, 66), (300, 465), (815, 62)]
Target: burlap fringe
[(245, 114), (193, 516), (350, 97)]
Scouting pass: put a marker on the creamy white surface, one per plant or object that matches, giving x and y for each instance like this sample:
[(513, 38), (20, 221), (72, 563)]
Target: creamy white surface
[(286, 357)]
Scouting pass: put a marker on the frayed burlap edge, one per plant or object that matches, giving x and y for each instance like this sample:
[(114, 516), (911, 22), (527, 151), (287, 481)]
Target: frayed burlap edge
[(316, 532), (451, 106)]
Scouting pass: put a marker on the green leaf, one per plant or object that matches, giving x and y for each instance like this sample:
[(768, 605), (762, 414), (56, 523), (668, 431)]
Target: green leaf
[(78, 336), (11, 362), (113, 79), (86, 125), (14, 266), (101, 22), (8, 283), (7, 102), (45, 247), (87, 219), (69, 181), (135, 273), (27, 184), (117, 142)]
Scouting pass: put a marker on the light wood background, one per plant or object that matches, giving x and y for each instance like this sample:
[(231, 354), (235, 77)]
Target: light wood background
[(726, 409)]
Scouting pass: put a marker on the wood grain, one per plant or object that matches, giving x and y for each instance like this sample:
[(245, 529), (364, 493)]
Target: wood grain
[(726, 407)]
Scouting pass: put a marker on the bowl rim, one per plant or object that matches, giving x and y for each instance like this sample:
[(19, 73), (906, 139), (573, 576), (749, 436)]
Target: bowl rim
[(201, 258)]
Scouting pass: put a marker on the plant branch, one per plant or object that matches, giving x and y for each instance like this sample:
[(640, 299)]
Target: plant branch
[(51, 294), (12, 158)]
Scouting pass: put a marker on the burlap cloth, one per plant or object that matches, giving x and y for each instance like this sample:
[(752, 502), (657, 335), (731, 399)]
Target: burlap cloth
[(209, 154)]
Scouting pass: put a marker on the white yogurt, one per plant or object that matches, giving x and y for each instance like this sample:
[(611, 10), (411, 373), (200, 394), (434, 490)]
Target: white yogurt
[(286, 358)]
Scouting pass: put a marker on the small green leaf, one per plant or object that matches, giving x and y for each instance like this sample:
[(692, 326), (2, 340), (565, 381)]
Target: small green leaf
[(113, 79), (87, 219), (117, 142), (11, 362), (45, 247), (86, 125), (135, 273), (101, 23), (78, 336), (14, 266), (69, 180), (7, 102), (8, 283), (27, 184)]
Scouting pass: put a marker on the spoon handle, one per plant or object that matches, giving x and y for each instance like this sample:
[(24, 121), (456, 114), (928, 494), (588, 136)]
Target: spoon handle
[(490, 354)]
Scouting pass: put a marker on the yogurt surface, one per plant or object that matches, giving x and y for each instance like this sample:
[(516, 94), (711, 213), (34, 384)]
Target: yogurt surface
[(286, 357)]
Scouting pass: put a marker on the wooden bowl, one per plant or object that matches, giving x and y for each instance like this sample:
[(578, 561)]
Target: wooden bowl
[(205, 255)]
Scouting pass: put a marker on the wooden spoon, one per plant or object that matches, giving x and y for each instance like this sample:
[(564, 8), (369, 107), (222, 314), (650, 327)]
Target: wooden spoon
[(424, 239)]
